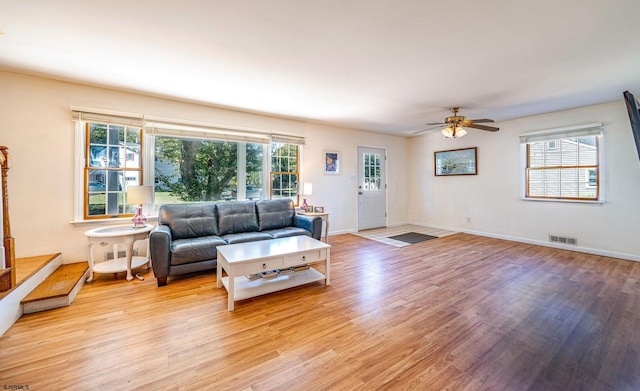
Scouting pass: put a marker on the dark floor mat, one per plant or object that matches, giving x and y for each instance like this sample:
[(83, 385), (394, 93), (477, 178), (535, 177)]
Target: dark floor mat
[(412, 237)]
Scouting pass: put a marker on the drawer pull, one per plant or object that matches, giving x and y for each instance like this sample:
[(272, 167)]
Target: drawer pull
[(264, 265), (304, 258), (104, 243)]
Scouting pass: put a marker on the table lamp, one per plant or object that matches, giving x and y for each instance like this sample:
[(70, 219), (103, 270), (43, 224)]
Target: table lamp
[(307, 190), (139, 195)]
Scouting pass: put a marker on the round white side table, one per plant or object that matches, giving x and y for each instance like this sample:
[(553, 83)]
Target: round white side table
[(114, 235)]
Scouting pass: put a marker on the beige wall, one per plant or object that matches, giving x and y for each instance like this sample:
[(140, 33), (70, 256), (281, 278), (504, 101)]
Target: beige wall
[(35, 123), (490, 203)]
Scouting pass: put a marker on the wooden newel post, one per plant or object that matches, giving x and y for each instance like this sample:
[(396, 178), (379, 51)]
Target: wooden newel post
[(7, 280)]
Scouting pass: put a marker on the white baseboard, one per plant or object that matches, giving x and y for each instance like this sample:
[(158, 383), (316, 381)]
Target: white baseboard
[(587, 250), (343, 231)]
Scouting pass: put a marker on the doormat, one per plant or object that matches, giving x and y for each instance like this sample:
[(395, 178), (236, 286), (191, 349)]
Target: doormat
[(412, 237)]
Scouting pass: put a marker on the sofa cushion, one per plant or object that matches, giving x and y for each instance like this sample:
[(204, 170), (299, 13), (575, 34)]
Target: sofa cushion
[(243, 237), (195, 249), (287, 231), (273, 214), (237, 217), (189, 220)]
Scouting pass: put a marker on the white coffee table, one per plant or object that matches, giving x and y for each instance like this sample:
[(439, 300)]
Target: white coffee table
[(245, 259)]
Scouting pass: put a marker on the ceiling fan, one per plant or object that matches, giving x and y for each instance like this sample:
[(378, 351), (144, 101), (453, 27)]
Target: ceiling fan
[(455, 125)]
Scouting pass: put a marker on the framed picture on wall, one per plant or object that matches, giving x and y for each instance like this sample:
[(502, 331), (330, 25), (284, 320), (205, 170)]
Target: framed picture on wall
[(456, 162), (331, 162)]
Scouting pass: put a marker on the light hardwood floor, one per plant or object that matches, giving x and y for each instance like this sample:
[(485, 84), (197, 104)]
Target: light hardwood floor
[(459, 313)]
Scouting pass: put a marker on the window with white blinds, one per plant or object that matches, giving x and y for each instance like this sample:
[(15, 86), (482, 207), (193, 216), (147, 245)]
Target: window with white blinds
[(563, 164)]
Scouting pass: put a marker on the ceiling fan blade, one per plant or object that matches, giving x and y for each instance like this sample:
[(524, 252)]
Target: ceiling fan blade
[(483, 127), (437, 123), (468, 122), (424, 130)]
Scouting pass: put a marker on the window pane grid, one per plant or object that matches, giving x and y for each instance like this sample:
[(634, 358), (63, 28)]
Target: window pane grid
[(372, 173), (112, 162), (563, 169), (284, 171)]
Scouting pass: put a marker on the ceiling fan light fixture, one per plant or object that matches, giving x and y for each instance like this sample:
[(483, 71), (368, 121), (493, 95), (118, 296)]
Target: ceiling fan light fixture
[(447, 132), (453, 131), (455, 122)]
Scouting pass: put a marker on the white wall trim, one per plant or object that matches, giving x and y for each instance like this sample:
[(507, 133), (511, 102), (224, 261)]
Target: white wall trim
[(342, 231), (594, 251)]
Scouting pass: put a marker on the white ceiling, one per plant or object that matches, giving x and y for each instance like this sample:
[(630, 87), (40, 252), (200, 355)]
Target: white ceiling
[(383, 65)]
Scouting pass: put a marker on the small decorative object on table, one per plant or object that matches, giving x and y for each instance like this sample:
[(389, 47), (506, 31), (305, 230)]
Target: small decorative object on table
[(309, 209), (318, 209), (139, 195), (307, 190)]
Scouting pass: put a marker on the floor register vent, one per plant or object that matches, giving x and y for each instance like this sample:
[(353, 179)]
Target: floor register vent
[(563, 240)]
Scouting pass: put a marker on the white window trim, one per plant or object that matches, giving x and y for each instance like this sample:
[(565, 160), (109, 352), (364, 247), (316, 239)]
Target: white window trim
[(557, 134), (163, 126), (78, 183)]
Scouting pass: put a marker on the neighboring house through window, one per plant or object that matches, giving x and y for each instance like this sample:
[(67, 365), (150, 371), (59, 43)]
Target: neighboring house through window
[(563, 164), (112, 162)]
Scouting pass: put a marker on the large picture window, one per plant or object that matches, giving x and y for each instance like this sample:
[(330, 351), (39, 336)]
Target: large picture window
[(563, 165), (183, 161), (194, 170)]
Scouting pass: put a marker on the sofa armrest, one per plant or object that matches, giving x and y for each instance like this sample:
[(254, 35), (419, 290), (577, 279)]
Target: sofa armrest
[(160, 251), (312, 224)]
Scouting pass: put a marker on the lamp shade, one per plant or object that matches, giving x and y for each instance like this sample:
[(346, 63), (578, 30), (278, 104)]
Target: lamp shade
[(455, 132), (447, 132), (139, 195), (307, 189), (460, 132)]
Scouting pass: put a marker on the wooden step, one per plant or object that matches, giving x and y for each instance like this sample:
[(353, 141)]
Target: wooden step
[(5, 279), (29, 267), (57, 290)]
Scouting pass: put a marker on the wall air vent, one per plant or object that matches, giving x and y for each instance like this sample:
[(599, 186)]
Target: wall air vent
[(563, 240)]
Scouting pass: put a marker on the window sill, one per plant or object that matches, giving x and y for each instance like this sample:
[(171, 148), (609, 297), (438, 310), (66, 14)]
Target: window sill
[(112, 221), (595, 202)]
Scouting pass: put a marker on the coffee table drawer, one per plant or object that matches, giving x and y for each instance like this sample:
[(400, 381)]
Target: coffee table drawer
[(305, 257), (259, 266)]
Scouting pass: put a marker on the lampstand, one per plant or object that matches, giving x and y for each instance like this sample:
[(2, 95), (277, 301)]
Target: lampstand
[(307, 190), (139, 195)]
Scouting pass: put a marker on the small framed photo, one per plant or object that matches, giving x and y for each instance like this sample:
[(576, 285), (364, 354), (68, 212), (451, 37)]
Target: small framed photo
[(309, 208), (319, 209), (331, 162)]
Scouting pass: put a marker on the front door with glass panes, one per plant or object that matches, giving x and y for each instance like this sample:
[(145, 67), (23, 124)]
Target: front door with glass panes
[(372, 188)]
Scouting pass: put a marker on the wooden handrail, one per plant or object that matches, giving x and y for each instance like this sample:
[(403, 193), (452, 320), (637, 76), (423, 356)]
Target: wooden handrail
[(8, 277)]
